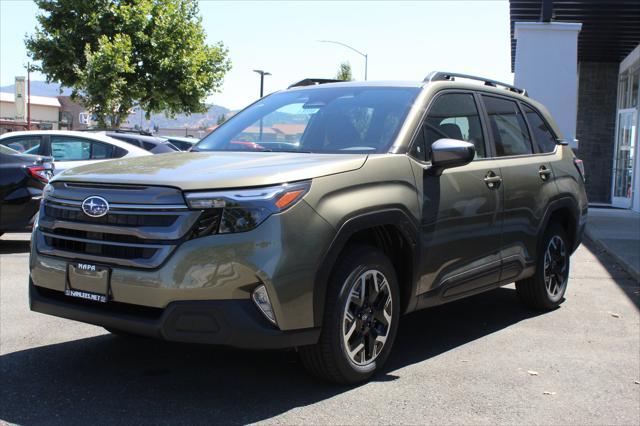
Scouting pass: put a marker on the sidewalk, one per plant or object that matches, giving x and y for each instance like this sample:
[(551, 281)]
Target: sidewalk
[(618, 232)]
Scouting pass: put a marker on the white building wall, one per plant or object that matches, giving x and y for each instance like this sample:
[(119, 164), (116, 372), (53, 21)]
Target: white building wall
[(7, 110), (547, 67), (45, 114), (43, 109)]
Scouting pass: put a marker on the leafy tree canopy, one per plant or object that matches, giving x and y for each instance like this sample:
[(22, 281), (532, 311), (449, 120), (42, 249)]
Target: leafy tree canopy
[(344, 72), (115, 54)]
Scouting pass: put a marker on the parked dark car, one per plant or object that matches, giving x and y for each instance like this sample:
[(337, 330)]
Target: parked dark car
[(22, 178), (152, 144), (182, 143)]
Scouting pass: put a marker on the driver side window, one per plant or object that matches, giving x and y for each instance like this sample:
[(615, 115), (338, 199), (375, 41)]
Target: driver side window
[(452, 116)]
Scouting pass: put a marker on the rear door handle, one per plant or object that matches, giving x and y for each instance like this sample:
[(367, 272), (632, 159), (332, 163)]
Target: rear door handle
[(544, 173), (492, 180)]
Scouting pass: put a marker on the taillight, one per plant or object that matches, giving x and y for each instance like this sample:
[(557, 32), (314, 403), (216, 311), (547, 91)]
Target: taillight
[(42, 173), (580, 166)]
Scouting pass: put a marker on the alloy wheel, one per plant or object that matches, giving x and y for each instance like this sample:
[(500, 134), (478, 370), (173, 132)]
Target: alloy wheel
[(367, 317), (555, 268)]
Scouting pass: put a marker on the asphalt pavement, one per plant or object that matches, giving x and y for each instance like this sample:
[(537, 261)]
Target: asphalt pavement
[(483, 360)]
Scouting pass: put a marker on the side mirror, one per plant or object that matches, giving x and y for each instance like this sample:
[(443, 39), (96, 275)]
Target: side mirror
[(447, 153)]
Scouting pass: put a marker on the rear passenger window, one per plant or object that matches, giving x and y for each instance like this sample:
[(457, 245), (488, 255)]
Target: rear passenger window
[(23, 144), (452, 116), (509, 129), (70, 149), (542, 135)]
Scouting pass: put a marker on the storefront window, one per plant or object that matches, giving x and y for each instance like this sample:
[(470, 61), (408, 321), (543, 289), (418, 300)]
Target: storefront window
[(623, 87), (626, 164), (634, 83)]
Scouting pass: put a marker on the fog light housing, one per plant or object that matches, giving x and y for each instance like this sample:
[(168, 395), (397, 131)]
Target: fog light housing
[(261, 299)]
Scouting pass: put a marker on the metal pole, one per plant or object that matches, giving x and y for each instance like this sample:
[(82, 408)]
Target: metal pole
[(366, 60), (366, 56), (28, 96), (261, 84), (262, 74)]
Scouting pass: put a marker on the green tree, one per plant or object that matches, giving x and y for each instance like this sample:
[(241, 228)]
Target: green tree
[(344, 72), (116, 53), (221, 119)]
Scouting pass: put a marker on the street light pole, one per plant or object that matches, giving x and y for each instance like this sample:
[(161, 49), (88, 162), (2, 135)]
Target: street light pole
[(366, 56), (262, 74), (28, 96)]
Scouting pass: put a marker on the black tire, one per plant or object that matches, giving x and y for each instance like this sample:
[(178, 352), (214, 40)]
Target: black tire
[(328, 359), (533, 291)]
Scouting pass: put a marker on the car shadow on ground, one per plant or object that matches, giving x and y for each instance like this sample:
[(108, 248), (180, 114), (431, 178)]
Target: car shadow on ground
[(8, 246), (627, 284), (106, 378)]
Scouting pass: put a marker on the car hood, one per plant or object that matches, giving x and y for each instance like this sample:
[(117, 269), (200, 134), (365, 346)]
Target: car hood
[(214, 170)]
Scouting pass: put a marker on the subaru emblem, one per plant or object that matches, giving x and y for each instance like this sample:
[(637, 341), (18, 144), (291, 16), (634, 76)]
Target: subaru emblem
[(95, 206)]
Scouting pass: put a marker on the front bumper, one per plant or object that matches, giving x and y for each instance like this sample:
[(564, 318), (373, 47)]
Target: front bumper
[(278, 254), (221, 322)]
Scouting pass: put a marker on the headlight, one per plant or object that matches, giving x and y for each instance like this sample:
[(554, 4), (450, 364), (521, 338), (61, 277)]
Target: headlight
[(244, 209), (47, 191)]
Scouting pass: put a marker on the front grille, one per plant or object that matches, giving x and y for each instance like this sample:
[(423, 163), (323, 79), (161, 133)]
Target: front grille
[(141, 228), (102, 250), (121, 219), (97, 236)]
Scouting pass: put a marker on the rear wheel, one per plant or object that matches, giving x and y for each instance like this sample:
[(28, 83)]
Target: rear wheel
[(546, 289), (360, 319)]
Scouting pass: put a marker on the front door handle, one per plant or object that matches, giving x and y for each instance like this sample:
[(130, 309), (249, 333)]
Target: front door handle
[(544, 173), (492, 180)]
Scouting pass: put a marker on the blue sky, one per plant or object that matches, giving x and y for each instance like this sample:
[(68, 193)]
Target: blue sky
[(404, 40)]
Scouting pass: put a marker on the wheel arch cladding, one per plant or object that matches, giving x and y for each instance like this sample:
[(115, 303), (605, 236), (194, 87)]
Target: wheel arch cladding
[(392, 231), (564, 212)]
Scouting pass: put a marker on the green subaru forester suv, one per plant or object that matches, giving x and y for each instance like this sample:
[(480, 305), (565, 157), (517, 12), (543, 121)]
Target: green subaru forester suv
[(317, 216)]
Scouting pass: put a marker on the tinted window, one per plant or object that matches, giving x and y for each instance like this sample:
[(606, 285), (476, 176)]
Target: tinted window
[(183, 146), (132, 141), (148, 145), (70, 149), (101, 151), (7, 150), (452, 116), (23, 143), (119, 152), (542, 135), (509, 129), (326, 119)]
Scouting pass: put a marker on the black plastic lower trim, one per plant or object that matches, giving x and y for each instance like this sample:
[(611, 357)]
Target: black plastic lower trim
[(234, 322)]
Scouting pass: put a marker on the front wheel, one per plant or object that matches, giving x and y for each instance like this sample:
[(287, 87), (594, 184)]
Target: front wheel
[(360, 319), (546, 288)]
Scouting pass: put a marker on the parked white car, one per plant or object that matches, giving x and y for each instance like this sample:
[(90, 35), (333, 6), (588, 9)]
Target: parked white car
[(70, 148)]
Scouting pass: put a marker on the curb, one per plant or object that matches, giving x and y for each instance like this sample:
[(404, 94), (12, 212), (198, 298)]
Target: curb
[(628, 268)]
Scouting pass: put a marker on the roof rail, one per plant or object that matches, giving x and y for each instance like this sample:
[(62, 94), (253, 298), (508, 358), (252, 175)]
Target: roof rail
[(117, 130), (451, 76), (314, 81)]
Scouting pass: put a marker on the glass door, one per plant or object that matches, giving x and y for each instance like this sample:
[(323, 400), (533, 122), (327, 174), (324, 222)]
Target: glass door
[(624, 158)]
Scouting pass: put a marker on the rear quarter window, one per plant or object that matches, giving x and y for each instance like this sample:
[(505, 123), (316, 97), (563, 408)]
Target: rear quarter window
[(543, 137)]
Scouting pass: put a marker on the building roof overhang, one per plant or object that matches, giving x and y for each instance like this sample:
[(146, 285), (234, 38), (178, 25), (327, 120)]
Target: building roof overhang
[(610, 28)]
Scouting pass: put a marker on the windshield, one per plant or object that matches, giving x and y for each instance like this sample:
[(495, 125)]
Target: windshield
[(322, 120)]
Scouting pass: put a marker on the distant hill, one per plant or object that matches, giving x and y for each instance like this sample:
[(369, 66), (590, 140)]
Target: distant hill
[(207, 119), (40, 88)]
